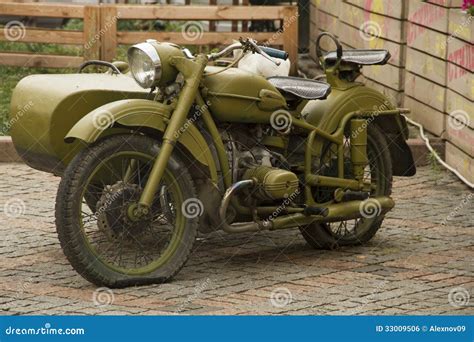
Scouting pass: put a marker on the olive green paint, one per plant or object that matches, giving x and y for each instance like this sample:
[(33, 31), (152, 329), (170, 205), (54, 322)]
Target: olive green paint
[(235, 95), (192, 71), (117, 105), (141, 113)]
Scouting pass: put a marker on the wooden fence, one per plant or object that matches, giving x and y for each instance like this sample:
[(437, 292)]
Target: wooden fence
[(100, 36)]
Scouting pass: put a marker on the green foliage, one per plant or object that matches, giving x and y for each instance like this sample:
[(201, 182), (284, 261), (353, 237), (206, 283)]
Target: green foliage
[(74, 24), (135, 25), (435, 167), (40, 48)]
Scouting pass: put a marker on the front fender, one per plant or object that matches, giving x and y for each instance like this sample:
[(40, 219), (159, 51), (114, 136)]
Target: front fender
[(327, 115), (139, 113)]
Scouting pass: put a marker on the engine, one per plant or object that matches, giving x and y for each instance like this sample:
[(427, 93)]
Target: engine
[(272, 183), (252, 160)]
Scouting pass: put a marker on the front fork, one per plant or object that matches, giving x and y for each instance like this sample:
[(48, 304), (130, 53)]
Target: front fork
[(192, 71)]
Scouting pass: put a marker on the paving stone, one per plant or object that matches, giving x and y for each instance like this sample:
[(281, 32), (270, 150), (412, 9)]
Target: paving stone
[(422, 252)]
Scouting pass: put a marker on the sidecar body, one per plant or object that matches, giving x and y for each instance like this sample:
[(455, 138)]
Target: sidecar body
[(45, 107)]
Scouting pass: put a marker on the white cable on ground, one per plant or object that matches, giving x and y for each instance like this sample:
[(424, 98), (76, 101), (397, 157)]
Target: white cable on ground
[(441, 161)]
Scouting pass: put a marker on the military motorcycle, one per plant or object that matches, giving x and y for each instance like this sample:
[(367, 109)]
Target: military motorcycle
[(170, 144)]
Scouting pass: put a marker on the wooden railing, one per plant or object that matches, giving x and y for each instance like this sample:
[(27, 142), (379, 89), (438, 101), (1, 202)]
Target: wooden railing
[(37, 35), (100, 36)]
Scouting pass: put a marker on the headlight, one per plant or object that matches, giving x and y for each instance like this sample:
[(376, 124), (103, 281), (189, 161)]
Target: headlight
[(145, 64)]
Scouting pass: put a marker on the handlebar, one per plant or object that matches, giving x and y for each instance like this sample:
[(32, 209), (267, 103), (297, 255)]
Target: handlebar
[(251, 45), (224, 52), (275, 53)]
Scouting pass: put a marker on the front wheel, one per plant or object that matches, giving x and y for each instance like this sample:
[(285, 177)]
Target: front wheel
[(97, 236)]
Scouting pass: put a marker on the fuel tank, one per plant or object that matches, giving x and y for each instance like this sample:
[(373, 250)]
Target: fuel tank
[(235, 95)]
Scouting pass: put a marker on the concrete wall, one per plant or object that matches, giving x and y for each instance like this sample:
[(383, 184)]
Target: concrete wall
[(431, 70)]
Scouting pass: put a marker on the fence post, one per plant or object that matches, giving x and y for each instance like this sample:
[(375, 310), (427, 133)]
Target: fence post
[(235, 23), (212, 23), (290, 36), (108, 32), (91, 32), (245, 23)]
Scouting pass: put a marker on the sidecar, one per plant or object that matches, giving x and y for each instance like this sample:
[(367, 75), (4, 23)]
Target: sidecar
[(45, 107)]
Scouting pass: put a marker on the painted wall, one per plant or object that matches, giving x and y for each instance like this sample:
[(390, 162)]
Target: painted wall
[(431, 70)]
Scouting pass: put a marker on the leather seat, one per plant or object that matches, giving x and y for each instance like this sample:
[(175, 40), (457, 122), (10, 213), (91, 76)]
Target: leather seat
[(360, 57), (301, 87)]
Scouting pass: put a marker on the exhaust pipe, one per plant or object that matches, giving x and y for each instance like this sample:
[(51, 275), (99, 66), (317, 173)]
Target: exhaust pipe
[(369, 208), (239, 227)]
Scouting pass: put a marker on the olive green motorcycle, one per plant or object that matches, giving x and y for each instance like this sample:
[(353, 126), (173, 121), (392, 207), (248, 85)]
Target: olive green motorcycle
[(171, 144)]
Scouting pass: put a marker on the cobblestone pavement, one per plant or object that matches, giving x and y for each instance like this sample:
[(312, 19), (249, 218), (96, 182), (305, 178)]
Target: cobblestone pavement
[(420, 262)]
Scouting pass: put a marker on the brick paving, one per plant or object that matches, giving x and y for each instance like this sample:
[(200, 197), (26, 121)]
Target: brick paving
[(423, 252)]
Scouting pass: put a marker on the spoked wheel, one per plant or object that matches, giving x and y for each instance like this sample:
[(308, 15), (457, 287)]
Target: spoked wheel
[(96, 232), (378, 173)]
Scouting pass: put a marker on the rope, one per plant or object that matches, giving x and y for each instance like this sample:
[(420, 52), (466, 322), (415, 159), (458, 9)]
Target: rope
[(441, 161)]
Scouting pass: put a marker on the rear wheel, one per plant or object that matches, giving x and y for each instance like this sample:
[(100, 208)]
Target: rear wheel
[(378, 172), (97, 236)]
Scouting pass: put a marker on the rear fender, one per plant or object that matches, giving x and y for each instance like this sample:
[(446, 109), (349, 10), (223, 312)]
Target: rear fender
[(328, 114), (147, 116)]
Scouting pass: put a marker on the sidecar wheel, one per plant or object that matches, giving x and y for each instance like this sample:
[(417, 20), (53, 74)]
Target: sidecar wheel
[(102, 243), (355, 232)]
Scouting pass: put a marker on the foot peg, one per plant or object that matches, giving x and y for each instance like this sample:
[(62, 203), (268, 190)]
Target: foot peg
[(311, 211)]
